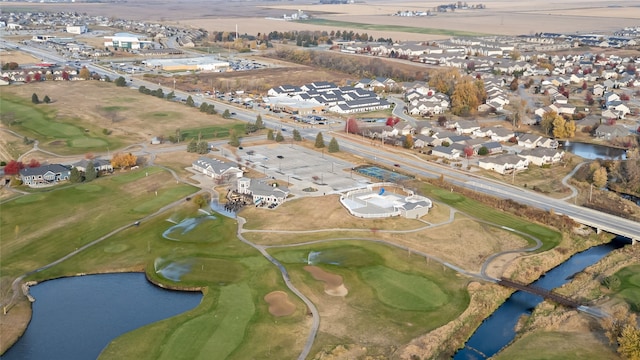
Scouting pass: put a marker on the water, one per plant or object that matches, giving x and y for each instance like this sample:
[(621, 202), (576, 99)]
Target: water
[(498, 330), (593, 151), (76, 317)]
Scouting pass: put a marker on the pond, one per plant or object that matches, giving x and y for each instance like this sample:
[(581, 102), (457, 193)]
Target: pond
[(77, 317), (595, 151)]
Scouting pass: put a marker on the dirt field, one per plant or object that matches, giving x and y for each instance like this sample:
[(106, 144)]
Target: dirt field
[(17, 56)]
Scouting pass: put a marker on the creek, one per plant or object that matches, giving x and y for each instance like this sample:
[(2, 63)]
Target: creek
[(498, 330)]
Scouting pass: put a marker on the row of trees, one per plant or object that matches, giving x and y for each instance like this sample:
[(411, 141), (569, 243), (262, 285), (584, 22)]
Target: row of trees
[(356, 66), (13, 167), (466, 92)]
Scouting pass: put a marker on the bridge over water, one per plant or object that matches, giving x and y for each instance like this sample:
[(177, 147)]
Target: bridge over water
[(544, 293)]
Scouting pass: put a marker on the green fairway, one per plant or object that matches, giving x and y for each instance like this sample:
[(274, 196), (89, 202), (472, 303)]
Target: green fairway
[(549, 237), (43, 124), (201, 270), (216, 334), (195, 230), (211, 132), (629, 288), (396, 28), (391, 295), (404, 291)]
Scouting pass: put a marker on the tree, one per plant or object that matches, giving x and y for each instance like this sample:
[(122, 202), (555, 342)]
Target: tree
[(466, 97), (629, 342), (259, 122), (190, 101), (559, 127), (13, 167), (600, 177), (514, 84), (333, 146), (226, 114), (84, 73), (319, 141), (234, 140), (34, 98), (351, 126), (279, 137), (171, 95), (46, 99), (122, 160), (483, 150), (408, 142), (33, 163), (443, 80), (121, 81), (90, 172), (296, 135), (468, 151), (75, 176), (192, 146), (546, 124), (202, 148), (270, 135)]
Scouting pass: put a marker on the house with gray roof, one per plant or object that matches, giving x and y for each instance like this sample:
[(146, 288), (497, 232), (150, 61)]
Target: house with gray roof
[(608, 132), (542, 156), (45, 175), (261, 192), (103, 165), (217, 169), (504, 164)]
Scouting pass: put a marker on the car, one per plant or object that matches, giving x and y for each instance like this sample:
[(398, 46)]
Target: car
[(396, 165), (233, 113), (280, 157), (284, 129)]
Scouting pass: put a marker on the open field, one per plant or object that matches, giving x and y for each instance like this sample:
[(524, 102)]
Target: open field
[(19, 57), (69, 126), (560, 345)]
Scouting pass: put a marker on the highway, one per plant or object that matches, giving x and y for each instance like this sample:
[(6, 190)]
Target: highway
[(410, 163)]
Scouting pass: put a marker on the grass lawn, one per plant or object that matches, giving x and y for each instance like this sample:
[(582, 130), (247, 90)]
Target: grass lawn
[(383, 27), (543, 345), (392, 297), (42, 227), (212, 132), (549, 237), (629, 288), (41, 122)]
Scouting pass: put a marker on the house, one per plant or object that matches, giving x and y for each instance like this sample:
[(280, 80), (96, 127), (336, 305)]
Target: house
[(542, 156), (598, 90), (101, 165), (529, 141), (217, 169), (619, 108), (548, 143), (493, 147), (261, 192), (466, 126), (608, 132), (45, 175), (420, 141), (501, 134), (504, 164), (446, 152)]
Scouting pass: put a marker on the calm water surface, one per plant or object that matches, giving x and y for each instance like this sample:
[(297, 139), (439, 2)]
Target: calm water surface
[(76, 317)]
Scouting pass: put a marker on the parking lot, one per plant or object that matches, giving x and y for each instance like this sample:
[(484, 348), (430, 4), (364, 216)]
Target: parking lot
[(302, 167)]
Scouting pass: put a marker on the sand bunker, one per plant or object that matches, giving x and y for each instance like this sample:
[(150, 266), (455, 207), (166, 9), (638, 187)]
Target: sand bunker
[(279, 304), (333, 284)]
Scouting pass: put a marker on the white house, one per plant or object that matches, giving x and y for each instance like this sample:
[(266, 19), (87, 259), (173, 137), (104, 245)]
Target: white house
[(542, 156), (216, 169), (504, 164)]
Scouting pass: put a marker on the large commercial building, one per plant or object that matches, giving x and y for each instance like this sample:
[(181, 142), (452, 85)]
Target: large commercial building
[(122, 41), (203, 63), (77, 29)]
